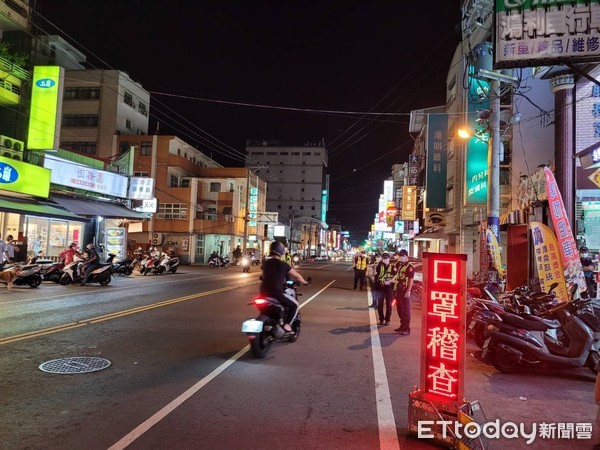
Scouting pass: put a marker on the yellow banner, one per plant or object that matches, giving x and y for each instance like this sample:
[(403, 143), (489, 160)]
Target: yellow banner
[(494, 252), (548, 260)]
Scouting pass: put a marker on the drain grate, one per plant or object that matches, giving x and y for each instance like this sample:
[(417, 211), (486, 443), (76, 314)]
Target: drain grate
[(76, 364)]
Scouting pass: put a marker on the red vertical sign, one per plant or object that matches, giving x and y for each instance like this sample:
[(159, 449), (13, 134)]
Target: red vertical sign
[(443, 331)]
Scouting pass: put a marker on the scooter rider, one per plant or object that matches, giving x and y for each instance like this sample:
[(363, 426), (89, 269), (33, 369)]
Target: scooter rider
[(275, 274), (91, 264)]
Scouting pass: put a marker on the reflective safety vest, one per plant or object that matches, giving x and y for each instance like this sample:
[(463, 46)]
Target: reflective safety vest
[(385, 272), (360, 263), (405, 271)]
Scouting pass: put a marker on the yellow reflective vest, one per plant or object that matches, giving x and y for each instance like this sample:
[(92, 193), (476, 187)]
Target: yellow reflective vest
[(360, 263)]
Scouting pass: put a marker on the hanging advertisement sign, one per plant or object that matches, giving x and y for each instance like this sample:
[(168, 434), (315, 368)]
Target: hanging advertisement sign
[(409, 202), (484, 256), (569, 254), (67, 173), (443, 330), (46, 108), (141, 188), (399, 227), (540, 33), (252, 210), (437, 160), (476, 162), (388, 190), (17, 176), (547, 260), (145, 206), (413, 169)]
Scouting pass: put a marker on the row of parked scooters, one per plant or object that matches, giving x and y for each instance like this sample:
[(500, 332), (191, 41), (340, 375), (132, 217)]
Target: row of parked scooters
[(40, 269), (529, 329)]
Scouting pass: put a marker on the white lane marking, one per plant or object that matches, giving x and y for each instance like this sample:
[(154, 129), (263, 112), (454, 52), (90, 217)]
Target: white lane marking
[(169, 408), (388, 435)]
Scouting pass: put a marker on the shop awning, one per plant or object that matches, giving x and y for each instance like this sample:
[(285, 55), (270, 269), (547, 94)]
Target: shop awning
[(34, 208), (92, 208)]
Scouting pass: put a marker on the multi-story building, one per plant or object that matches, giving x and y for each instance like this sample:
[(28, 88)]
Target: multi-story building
[(202, 206), (296, 176), (99, 104)]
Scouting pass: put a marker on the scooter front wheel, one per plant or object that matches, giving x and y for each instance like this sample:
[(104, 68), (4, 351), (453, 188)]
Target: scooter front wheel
[(35, 281), (65, 279)]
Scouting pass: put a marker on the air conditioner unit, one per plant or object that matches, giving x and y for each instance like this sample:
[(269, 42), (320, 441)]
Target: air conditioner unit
[(5, 153), (157, 238), (7, 142)]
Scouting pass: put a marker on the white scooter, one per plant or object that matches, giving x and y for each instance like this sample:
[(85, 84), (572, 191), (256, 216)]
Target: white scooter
[(74, 272)]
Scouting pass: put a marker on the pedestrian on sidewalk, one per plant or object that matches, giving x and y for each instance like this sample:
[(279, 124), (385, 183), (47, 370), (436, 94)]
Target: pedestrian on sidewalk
[(405, 275), (386, 273), (360, 269)]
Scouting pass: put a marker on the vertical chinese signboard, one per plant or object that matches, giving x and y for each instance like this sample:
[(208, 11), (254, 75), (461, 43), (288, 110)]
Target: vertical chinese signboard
[(409, 202), (437, 160), (476, 162), (413, 169), (443, 331), (252, 210)]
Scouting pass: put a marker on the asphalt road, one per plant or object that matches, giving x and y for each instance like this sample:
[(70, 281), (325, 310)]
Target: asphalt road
[(181, 375)]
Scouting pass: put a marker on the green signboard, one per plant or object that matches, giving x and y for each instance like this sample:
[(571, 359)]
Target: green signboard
[(476, 164), (17, 176), (437, 160), (46, 99)]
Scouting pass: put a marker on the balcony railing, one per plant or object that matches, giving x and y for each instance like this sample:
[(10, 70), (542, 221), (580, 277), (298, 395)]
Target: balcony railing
[(13, 69)]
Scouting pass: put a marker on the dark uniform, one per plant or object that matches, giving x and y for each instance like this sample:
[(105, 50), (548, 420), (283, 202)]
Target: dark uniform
[(405, 273)]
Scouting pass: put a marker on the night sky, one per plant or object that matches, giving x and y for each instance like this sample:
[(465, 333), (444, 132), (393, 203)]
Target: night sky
[(387, 56)]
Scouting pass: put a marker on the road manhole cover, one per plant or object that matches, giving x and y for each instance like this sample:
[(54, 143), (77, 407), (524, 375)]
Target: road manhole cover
[(77, 364)]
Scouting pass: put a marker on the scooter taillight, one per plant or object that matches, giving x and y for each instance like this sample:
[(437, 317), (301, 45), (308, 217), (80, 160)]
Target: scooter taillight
[(260, 301)]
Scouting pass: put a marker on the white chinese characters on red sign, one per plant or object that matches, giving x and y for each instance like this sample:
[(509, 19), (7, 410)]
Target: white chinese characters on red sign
[(443, 362)]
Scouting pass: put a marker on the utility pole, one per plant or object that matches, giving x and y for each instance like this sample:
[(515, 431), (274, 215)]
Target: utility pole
[(493, 192), (246, 211)]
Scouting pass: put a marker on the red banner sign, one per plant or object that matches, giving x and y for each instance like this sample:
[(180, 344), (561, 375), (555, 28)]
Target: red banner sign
[(443, 331), (562, 229)]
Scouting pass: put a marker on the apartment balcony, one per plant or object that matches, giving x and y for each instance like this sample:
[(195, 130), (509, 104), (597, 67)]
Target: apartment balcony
[(14, 15), (211, 223), (10, 94), (10, 70)]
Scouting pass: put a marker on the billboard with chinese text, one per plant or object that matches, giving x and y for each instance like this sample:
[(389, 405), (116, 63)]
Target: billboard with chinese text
[(443, 330), (437, 160)]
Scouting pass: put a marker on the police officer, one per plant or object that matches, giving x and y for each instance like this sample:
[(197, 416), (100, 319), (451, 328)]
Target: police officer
[(385, 272), (404, 281), (360, 269)]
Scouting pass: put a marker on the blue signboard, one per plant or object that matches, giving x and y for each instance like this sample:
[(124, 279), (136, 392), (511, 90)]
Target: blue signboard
[(437, 160)]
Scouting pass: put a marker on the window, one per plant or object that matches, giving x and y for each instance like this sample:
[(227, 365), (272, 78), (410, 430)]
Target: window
[(290, 207), (124, 147), (80, 120), (284, 153), (172, 211), (174, 181), (85, 147), (278, 206), (146, 149), (140, 174), (313, 208), (128, 124), (271, 153), (128, 99), (303, 162), (302, 207), (143, 109), (215, 187), (82, 93), (257, 153), (306, 153), (295, 153), (302, 190), (185, 182)]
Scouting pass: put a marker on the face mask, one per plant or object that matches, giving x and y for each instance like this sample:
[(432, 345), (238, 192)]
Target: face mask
[(404, 259), (386, 260), (584, 255)]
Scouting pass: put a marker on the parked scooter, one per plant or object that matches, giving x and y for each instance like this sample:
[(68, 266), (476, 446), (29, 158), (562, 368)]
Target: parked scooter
[(245, 262), (74, 272), (217, 262), (123, 267), (514, 341), (268, 326), (28, 276), (166, 264), (148, 264), (53, 272)]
